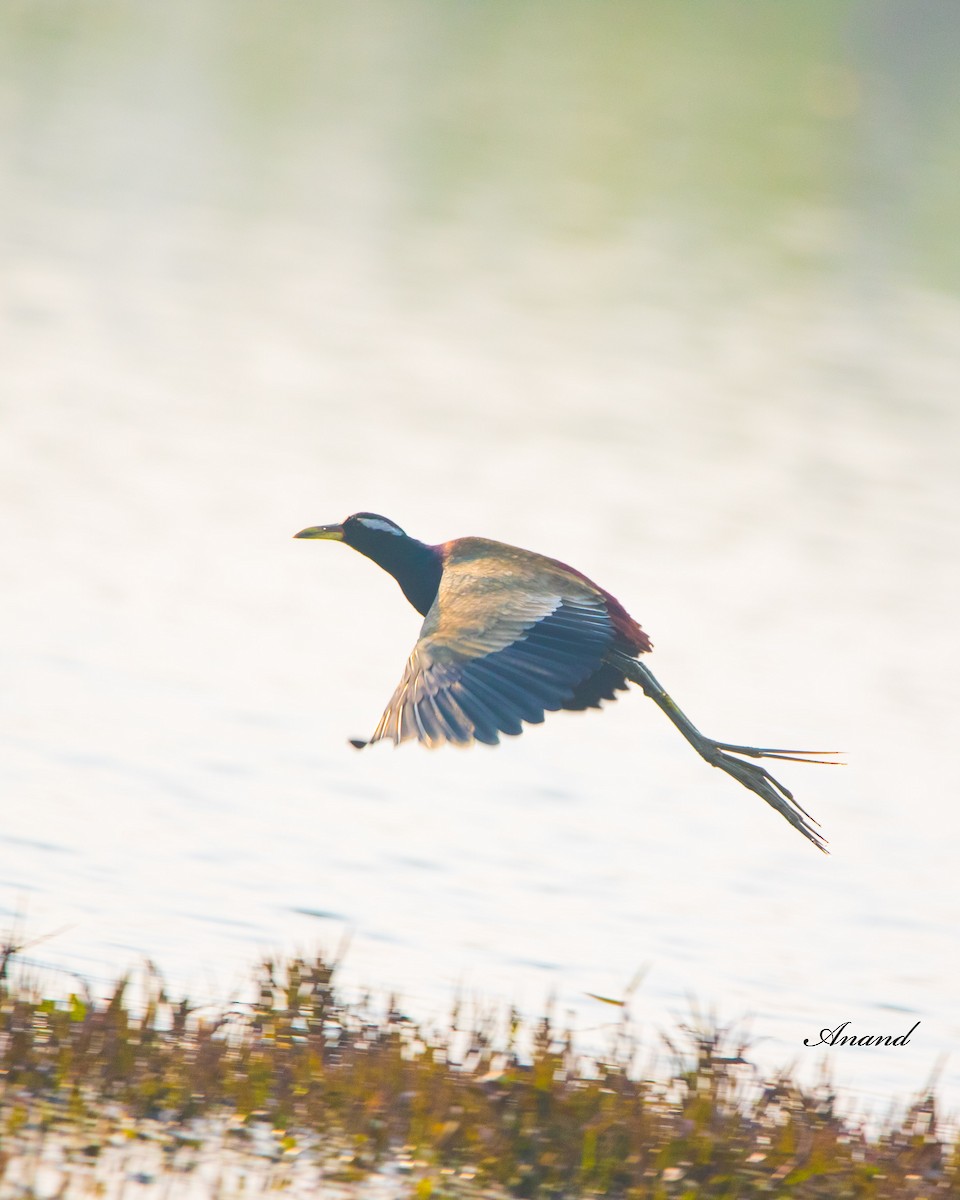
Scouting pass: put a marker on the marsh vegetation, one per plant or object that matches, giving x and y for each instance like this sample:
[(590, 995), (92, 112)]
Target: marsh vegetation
[(300, 1088)]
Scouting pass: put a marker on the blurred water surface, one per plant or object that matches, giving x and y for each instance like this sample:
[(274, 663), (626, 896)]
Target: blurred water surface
[(671, 298)]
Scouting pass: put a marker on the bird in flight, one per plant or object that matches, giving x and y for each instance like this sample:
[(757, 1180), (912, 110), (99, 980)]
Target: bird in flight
[(509, 635)]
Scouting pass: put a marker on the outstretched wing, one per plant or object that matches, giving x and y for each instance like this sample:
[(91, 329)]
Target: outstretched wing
[(509, 637), (527, 664)]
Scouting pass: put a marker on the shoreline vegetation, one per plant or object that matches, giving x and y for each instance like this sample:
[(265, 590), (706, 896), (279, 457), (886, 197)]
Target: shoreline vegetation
[(303, 1091)]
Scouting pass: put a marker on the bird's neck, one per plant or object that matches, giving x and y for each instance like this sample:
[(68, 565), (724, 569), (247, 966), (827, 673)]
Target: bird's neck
[(416, 566)]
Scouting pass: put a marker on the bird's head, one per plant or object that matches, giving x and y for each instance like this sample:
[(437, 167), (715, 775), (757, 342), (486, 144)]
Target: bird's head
[(363, 531), (415, 566)]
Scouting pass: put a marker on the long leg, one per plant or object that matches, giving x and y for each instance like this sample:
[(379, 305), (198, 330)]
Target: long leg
[(721, 754)]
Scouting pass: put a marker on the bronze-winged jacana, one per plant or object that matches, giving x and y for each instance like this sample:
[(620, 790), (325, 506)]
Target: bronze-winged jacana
[(510, 634)]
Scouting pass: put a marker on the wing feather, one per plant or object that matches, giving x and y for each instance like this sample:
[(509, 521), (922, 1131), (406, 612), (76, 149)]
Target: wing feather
[(447, 695), (509, 637)]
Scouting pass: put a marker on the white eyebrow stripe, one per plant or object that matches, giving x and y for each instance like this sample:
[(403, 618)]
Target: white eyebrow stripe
[(383, 526)]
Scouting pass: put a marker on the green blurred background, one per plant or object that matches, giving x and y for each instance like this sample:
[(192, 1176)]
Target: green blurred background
[(801, 136)]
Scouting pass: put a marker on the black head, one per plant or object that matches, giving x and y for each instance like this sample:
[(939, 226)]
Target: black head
[(364, 529), (360, 530), (416, 567)]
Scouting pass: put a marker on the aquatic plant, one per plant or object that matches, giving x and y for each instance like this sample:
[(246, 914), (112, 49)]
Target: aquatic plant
[(484, 1101)]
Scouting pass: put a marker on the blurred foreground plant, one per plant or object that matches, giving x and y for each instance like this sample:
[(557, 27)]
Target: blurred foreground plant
[(463, 1103)]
